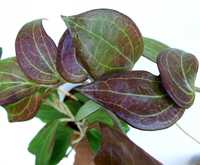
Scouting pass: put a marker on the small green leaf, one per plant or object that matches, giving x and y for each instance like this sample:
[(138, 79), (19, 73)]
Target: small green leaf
[(98, 36), (47, 113), (87, 109), (94, 139), (152, 48), (100, 116), (73, 105), (81, 97), (51, 143)]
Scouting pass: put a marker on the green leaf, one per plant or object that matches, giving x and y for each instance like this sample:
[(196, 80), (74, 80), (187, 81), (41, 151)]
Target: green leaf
[(47, 113), (137, 97), (13, 85), (178, 71), (81, 97), (36, 53), (152, 48), (73, 105), (88, 108), (94, 139), (100, 116), (105, 40), (51, 143)]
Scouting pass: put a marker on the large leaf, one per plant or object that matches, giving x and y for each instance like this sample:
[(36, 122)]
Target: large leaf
[(36, 53), (178, 71), (67, 64), (24, 109), (14, 84), (51, 143), (117, 149), (152, 48), (105, 40), (137, 97)]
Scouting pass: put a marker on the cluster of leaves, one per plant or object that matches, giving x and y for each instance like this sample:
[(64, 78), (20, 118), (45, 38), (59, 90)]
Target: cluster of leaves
[(98, 50)]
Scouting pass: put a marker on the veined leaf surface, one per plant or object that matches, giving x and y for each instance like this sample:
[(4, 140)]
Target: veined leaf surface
[(36, 53), (67, 64), (105, 40), (117, 149), (24, 109), (178, 71), (137, 97), (13, 85)]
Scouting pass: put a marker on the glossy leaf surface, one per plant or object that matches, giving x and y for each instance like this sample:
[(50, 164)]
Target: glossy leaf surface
[(36, 53), (136, 97), (178, 71), (67, 64), (152, 48), (117, 149), (13, 85), (24, 109), (105, 40)]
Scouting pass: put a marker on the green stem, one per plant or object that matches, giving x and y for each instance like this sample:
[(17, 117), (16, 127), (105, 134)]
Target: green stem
[(197, 89), (187, 134)]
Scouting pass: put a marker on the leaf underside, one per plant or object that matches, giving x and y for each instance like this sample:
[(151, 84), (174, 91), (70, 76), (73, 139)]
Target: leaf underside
[(178, 71), (67, 64), (36, 53), (136, 97), (117, 149), (105, 40)]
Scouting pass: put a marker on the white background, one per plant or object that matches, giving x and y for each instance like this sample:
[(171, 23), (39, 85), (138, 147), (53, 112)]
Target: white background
[(174, 22)]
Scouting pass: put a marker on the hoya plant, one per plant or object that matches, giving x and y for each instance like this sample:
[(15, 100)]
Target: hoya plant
[(97, 54)]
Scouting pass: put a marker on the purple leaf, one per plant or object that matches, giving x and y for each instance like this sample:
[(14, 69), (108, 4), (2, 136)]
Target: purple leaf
[(67, 64), (105, 41), (24, 109), (117, 149), (36, 53), (137, 97), (178, 72), (13, 85)]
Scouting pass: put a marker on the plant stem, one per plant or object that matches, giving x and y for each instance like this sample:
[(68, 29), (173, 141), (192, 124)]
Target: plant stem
[(187, 134), (197, 89)]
